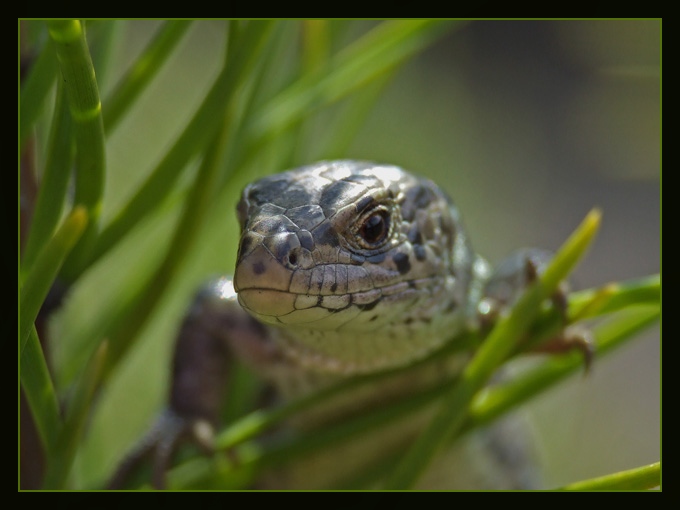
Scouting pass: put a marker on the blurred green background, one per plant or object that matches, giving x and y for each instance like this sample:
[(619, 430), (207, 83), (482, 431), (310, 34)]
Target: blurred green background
[(527, 124)]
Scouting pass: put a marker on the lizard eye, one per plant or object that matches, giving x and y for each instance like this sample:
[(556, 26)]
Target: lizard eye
[(373, 228)]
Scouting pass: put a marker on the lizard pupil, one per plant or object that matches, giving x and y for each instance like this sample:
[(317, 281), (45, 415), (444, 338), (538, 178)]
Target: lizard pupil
[(375, 228)]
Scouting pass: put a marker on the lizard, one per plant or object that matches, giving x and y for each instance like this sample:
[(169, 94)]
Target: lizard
[(344, 268)]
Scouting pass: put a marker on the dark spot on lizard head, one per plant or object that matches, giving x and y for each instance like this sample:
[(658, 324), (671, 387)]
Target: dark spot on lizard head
[(417, 197), (420, 252), (325, 235), (368, 306), (414, 236), (259, 268), (295, 196), (334, 286), (338, 193), (364, 202), (401, 260), (267, 189)]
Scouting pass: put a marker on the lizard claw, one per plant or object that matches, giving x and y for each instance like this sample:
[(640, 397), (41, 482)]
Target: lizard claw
[(160, 443), (511, 277)]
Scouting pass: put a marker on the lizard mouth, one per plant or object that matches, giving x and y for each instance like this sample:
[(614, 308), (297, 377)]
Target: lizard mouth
[(325, 296), (322, 311)]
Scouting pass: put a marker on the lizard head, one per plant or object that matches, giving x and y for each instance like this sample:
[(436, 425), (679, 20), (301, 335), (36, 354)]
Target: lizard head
[(351, 249)]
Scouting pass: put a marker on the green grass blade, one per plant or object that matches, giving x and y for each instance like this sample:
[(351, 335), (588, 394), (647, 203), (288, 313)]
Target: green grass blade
[(189, 225), (54, 183), (47, 264), (39, 390), (102, 36), (197, 135), (640, 478), (352, 118), (495, 349), (80, 82), (380, 50), (492, 402), (615, 296), (60, 462), (140, 74), (35, 88)]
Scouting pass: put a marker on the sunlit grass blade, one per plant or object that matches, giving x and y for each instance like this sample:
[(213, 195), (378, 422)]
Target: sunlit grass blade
[(47, 264), (640, 478), (82, 92), (54, 183), (60, 462), (35, 88), (39, 390), (615, 296), (140, 74), (195, 137), (493, 351)]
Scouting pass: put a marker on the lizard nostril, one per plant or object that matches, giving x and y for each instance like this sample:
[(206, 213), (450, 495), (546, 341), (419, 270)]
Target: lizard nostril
[(297, 258)]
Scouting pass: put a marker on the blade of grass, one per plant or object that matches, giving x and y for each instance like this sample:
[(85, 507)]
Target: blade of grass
[(495, 349), (494, 401), (54, 183), (103, 36), (198, 133), (128, 305), (615, 296), (140, 74), (197, 205), (39, 390), (273, 70), (353, 116), (35, 88), (60, 462), (82, 92), (640, 478), (384, 47), (47, 264)]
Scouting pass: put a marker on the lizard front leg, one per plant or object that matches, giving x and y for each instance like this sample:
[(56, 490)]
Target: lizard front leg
[(215, 332), (510, 278)]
